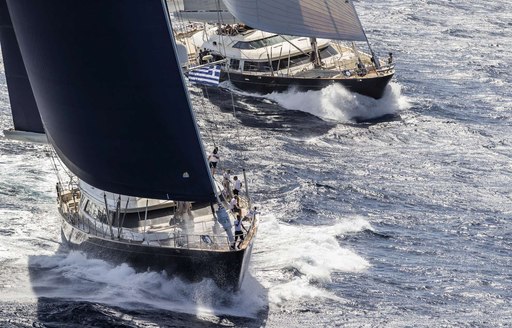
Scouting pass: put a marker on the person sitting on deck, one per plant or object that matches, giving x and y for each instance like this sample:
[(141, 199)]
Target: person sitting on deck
[(238, 231)]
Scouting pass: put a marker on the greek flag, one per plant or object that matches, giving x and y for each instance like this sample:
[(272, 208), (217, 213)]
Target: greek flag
[(209, 75)]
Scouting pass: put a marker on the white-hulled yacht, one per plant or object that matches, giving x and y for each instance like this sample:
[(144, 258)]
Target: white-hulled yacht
[(263, 62)]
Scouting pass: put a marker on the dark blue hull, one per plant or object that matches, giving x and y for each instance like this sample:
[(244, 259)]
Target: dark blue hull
[(226, 268), (368, 86)]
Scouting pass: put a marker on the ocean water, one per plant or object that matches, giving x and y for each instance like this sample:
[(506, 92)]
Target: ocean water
[(397, 222)]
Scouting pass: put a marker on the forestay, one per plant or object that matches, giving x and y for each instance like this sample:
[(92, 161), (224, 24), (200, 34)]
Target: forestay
[(330, 19), (111, 95)]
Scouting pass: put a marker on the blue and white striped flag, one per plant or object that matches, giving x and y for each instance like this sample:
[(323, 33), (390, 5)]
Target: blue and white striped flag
[(209, 75)]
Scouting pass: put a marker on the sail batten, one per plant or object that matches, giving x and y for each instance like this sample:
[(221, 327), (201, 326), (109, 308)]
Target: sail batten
[(330, 19), (111, 95)]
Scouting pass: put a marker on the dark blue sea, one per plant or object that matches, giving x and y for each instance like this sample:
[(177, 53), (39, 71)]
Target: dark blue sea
[(400, 221)]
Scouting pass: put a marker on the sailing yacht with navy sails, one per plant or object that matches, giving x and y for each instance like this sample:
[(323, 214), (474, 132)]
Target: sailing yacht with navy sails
[(102, 80)]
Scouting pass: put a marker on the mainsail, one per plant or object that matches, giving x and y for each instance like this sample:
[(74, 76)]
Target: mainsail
[(23, 106), (329, 19), (111, 94)]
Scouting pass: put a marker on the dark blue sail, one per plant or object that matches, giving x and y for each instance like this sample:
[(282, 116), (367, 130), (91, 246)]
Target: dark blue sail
[(111, 95), (23, 106)]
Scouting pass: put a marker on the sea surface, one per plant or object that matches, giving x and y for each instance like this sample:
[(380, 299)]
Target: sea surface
[(401, 221)]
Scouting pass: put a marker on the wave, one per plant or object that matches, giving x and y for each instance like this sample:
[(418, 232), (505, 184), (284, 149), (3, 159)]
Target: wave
[(294, 261), (336, 103), (74, 276)]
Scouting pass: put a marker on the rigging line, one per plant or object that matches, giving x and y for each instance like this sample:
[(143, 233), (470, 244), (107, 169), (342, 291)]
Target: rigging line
[(210, 115), (65, 169), (55, 161), (187, 40), (365, 36), (59, 179), (219, 15), (237, 130), (177, 12), (179, 19), (338, 59), (204, 88)]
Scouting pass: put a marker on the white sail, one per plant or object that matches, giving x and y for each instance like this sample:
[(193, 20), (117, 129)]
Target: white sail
[(203, 5), (202, 11), (329, 19)]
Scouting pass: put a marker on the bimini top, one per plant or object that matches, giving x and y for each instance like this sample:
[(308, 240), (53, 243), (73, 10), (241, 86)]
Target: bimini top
[(329, 19), (111, 95)]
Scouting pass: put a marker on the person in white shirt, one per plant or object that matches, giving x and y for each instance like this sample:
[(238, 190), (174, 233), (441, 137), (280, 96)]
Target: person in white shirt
[(234, 205), (237, 185), (213, 159), (238, 230), (227, 175)]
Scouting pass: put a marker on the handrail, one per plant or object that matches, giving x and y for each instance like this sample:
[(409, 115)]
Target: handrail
[(175, 238)]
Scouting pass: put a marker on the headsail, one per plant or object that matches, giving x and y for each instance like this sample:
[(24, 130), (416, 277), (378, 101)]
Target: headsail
[(23, 106), (111, 95), (329, 19)]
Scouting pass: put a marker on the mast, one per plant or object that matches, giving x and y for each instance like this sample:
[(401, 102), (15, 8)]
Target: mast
[(315, 55), (375, 59)]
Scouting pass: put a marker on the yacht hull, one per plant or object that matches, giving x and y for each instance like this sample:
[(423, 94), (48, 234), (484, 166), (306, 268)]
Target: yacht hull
[(370, 86), (226, 268)]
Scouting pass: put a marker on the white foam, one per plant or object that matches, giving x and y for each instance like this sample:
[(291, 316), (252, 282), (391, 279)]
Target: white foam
[(336, 103), (294, 261), (297, 289), (78, 277), (351, 225), (291, 262)]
